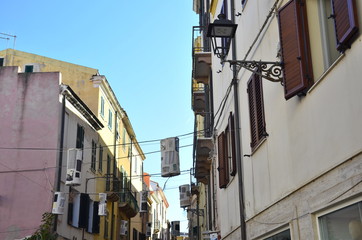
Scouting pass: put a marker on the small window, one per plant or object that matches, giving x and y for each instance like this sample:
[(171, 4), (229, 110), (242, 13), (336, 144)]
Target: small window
[(280, 236), (1, 62), (93, 160), (80, 137), (344, 223), (102, 106), (100, 158), (110, 118), (29, 68)]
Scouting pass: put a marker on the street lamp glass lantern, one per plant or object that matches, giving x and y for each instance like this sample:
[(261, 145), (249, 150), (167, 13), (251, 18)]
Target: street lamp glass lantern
[(221, 31)]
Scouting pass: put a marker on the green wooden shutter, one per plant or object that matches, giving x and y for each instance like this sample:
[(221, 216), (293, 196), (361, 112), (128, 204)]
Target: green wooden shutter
[(294, 41)]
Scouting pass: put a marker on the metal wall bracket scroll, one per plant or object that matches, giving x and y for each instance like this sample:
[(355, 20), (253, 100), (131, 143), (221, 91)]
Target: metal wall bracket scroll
[(271, 71)]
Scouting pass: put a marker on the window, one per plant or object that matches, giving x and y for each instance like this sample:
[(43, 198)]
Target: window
[(102, 106), (80, 137), (256, 111), (285, 235), (329, 29), (108, 182), (93, 160), (344, 223), (223, 161), (100, 158), (227, 153), (135, 234), (110, 118), (94, 218), (1, 62), (29, 68), (124, 140)]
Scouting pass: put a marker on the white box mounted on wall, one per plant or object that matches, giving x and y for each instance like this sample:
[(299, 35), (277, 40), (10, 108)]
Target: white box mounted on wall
[(124, 228), (102, 206), (74, 167), (58, 203), (185, 195), (170, 163)]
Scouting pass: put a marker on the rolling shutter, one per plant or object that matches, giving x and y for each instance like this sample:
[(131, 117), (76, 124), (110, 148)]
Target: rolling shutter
[(294, 41), (345, 22)]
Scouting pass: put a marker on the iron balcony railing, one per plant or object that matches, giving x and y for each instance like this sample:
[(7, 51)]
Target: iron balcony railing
[(126, 198)]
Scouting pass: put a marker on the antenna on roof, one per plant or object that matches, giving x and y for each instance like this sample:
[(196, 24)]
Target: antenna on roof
[(6, 38)]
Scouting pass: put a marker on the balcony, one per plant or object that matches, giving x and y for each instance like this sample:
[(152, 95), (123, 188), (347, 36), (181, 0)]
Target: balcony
[(198, 99), (112, 187), (204, 146), (201, 55), (128, 203)]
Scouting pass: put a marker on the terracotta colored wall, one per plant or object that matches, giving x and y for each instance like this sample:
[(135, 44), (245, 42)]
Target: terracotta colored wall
[(29, 117)]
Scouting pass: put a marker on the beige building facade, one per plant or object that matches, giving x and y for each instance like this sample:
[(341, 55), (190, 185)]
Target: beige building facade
[(296, 142)]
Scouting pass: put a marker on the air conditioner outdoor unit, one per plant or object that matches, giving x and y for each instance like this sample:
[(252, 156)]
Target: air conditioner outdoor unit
[(58, 203), (74, 167), (185, 195), (143, 201), (149, 229), (175, 228), (102, 206), (170, 163), (124, 228)]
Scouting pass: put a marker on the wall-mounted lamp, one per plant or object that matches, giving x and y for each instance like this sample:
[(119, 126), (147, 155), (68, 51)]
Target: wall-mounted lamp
[(221, 31)]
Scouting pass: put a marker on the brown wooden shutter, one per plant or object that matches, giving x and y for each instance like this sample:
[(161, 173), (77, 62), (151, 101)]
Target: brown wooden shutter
[(294, 41), (345, 22), (223, 161), (256, 111), (233, 146)]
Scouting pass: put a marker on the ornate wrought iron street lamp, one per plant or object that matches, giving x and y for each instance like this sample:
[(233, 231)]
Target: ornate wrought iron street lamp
[(221, 32)]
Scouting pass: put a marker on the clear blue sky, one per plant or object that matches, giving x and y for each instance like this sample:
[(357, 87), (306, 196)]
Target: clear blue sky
[(142, 47)]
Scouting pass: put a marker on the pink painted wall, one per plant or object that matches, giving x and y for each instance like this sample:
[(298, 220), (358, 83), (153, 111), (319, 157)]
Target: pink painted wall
[(29, 118)]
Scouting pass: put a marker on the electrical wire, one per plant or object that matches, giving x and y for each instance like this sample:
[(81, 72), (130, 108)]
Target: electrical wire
[(111, 145)]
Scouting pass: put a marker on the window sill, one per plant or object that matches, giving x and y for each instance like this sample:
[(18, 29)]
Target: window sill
[(258, 146), (324, 75)]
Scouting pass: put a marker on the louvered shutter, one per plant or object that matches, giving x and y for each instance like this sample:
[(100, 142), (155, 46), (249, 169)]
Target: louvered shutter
[(96, 218), (83, 210), (294, 41), (223, 163), (345, 22), (256, 111), (232, 143)]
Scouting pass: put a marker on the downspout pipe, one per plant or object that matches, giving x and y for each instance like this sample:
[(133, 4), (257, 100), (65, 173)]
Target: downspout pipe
[(238, 133), (60, 155)]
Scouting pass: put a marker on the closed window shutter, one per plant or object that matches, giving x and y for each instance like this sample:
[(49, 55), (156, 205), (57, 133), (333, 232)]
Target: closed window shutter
[(233, 146), (256, 111), (223, 163), (96, 218), (345, 22), (83, 210), (294, 41)]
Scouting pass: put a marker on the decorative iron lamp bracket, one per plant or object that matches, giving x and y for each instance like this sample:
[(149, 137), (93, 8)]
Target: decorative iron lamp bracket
[(271, 71)]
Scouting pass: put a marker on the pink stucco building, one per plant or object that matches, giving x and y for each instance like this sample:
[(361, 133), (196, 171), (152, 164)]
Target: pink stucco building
[(30, 121)]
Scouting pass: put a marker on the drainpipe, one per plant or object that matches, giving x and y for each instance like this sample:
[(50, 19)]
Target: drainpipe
[(60, 155), (114, 168), (237, 134)]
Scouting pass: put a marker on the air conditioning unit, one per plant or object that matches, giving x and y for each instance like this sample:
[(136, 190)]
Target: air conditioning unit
[(74, 167), (170, 163), (185, 195), (102, 206), (58, 203), (143, 201), (175, 228), (124, 228), (149, 229)]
